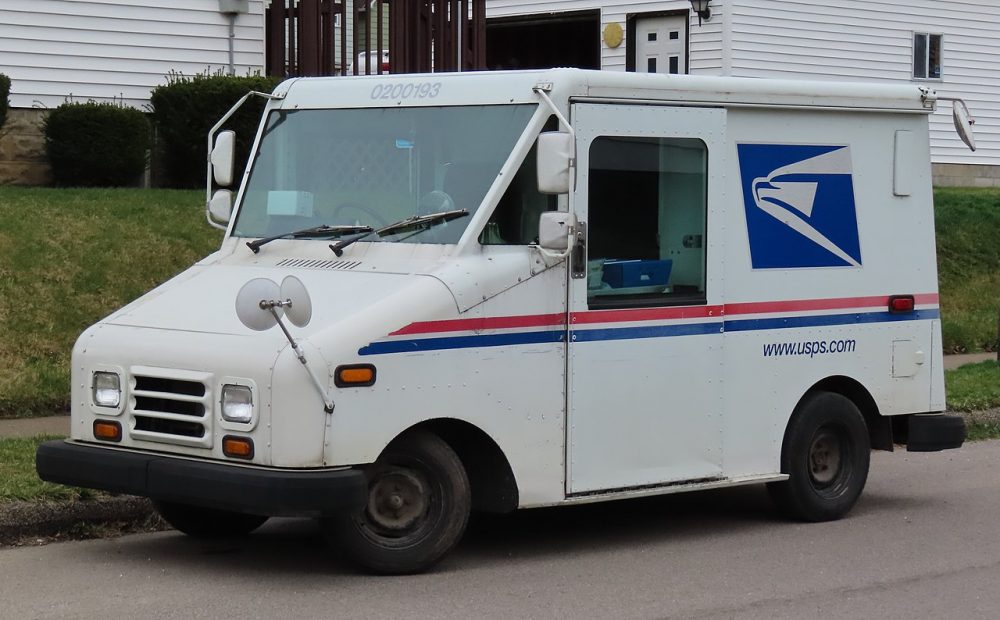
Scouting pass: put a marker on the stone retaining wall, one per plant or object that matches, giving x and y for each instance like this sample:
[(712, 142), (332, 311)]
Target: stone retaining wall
[(22, 149)]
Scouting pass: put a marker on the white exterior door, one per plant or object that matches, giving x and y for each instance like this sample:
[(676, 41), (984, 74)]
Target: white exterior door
[(661, 44), (645, 341)]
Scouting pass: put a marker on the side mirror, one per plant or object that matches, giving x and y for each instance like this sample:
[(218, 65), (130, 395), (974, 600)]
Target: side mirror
[(555, 151), (554, 228), (220, 207), (222, 158), (963, 123)]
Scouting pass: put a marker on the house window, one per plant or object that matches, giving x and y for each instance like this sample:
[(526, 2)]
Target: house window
[(926, 56)]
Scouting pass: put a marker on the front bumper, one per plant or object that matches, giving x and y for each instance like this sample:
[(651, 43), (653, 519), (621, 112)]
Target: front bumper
[(251, 490), (935, 431)]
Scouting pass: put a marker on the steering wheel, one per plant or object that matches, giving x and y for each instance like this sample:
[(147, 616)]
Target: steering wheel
[(374, 215), (434, 202)]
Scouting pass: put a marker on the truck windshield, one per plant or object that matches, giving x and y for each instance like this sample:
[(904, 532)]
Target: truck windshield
[(376, 166)]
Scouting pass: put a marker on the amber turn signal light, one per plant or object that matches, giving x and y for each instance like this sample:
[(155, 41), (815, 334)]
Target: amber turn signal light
[(354, 375), (237, 447), (107, 430)]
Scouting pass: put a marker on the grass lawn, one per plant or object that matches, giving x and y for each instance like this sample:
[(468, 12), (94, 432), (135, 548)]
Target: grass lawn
[(71, 256), (968, 243), (18, 480), (973, 387)]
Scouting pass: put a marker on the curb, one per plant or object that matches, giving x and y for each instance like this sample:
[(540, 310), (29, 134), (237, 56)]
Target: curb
[(985, 416), (20, 521)]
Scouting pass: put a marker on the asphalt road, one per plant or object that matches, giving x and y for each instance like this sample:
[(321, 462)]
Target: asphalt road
[(923, 542)]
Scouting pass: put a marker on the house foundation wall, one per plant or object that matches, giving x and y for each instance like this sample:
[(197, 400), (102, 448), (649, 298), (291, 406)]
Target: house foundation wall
[(965, 175), (22, 149)]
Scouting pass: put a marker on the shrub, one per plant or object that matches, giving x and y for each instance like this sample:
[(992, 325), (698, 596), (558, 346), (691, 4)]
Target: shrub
[(96, 144), (187, 107), (4, 93)]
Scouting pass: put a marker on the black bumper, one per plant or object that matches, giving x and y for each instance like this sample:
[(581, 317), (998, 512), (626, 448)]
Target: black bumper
[(250, 490), (935, 431)]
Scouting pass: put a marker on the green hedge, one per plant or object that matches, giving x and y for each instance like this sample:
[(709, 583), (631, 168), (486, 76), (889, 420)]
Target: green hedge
[(187, 107), (96, 144), (4, 93)]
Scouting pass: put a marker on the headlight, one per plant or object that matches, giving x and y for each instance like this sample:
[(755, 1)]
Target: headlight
[(107, 389), (237, 403)]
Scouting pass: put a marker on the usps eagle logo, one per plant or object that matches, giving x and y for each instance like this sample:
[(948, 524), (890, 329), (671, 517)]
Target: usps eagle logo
[(799, 202)]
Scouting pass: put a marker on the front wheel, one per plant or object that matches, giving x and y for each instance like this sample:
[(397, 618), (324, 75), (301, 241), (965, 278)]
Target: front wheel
[(201, 522), (419, 500), (826, 454)]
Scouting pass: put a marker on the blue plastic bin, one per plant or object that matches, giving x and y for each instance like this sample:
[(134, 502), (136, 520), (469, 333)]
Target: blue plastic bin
[(633, 273)]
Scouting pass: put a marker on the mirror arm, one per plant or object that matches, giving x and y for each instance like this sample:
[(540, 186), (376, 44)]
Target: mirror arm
[(211, 136)]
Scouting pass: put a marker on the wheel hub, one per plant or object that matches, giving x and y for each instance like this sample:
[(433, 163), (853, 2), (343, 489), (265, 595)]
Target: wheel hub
[(825, 455), (397, 499)]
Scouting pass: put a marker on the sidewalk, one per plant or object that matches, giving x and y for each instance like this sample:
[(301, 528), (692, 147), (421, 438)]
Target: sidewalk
[(59, 424), (952, 362), (29, 427)]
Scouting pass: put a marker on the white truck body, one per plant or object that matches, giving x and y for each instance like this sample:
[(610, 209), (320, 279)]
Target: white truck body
[(783, 220)]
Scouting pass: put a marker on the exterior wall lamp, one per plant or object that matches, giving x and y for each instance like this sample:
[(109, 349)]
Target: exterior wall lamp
[(702, 9)]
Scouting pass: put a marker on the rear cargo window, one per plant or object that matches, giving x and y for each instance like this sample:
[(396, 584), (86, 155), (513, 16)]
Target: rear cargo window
[(646, 221)]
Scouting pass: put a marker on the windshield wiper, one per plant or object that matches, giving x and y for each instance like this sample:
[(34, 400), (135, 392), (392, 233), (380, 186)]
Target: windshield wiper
[(338, 248), (313, 231), (418, 222)]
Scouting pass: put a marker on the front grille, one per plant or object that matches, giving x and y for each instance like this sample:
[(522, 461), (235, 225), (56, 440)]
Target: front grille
[(171, 406), (169, 427), (170, 386), (166, 405)]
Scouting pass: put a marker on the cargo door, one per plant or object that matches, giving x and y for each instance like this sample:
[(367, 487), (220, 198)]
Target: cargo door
[(645, 339)]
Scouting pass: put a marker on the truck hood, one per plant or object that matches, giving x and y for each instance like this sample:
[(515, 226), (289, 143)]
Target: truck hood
[(202, 299)]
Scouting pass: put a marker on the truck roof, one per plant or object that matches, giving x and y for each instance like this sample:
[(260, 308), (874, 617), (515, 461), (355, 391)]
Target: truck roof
[(503, 87)]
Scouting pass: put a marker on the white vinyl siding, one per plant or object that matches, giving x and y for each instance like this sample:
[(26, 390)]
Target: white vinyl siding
[(118, 49), (852, 40)]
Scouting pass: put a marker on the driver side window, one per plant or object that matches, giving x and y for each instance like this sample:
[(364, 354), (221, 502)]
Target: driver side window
[(647, 211)]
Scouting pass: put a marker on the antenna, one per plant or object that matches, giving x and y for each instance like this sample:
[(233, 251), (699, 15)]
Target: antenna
[(261, 304)]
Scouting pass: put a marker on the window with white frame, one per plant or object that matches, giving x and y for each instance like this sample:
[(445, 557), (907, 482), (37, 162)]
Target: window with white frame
[(926, 56)]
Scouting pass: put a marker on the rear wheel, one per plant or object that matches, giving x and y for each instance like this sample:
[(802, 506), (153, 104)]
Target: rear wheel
[(206, 522), (826, 454), (418, 506)]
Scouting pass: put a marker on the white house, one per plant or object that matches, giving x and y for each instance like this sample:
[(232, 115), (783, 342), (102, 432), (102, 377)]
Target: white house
[(951, 46), (105, 50), (121, 49)]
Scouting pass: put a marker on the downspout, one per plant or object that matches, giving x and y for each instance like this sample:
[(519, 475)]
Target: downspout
[(232, 9), (232, 43)]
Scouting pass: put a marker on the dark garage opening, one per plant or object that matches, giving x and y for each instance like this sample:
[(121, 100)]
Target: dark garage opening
[(544, 41)]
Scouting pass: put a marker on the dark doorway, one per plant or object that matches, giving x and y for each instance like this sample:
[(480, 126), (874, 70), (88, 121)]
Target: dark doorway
[(544, 41)]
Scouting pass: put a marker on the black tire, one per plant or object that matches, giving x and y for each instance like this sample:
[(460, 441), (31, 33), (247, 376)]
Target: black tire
[(208, 523), (825, 453), (419, 501)]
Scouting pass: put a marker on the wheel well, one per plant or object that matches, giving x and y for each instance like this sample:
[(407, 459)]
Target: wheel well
[(494, 488), (879, 427)]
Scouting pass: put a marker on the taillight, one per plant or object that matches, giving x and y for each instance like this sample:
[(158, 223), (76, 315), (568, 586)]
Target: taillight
[(899, 304)]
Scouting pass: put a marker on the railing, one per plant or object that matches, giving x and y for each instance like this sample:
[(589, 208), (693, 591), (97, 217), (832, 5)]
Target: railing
[(359, 37)]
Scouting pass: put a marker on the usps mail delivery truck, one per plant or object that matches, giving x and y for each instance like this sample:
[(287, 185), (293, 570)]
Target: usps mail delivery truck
[(492, 291)]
